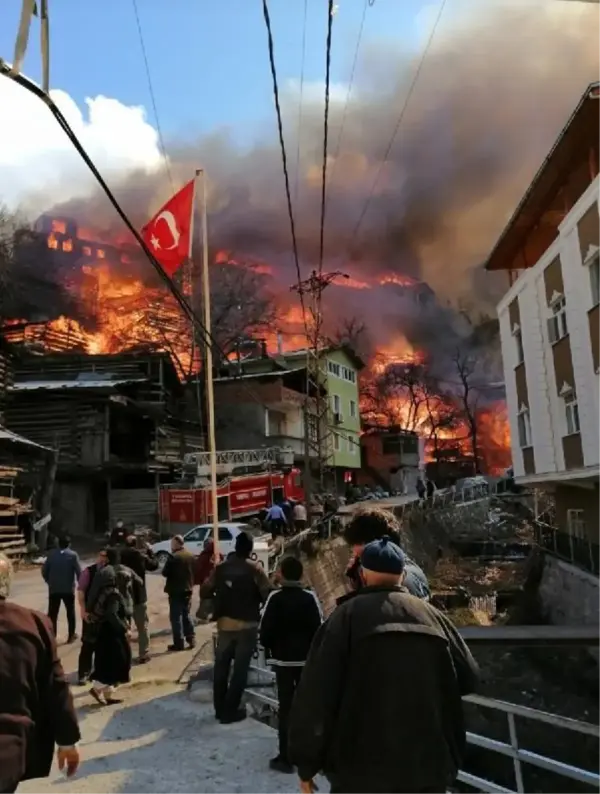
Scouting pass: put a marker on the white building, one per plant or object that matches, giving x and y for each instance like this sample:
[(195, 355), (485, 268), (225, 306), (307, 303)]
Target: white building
[(549, 330)]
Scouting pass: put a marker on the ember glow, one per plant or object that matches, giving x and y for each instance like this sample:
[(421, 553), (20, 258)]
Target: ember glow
[(123, 309)]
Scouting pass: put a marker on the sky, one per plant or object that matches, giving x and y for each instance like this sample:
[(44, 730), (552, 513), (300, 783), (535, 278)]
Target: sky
[(208, 60), (209, 68)]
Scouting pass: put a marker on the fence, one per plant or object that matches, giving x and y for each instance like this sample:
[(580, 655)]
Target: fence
[(578, 551), (264, 678)]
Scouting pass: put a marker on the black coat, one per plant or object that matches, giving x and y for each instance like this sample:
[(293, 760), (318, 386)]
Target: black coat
[(290, 620), (179, 573), (139, 562), (379, 705), (36, 706)]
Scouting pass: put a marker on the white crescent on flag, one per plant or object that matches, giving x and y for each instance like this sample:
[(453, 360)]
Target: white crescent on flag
[(169, 219)]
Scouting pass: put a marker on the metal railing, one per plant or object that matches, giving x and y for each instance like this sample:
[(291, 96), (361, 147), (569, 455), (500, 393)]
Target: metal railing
[(578, 551), (257, 695)]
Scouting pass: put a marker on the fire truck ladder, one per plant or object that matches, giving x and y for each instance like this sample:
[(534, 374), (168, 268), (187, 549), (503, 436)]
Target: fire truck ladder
[(230, 459)]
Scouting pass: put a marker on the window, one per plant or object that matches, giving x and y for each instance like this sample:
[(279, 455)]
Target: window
[(571, 413), (353, 409), (337, 403), (519, 346), (67, 246), (524, 425), (576, 523), (595, 280), (410, 445), (391, 445), (196, 535), (224, 534), (87, 251), (352, 445), (333, 368), (60, 227), (336, 442), (557, 324), (101, 253)]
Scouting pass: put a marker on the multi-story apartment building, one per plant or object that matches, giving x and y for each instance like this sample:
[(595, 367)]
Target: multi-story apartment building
[(550, 333), (340, 367)]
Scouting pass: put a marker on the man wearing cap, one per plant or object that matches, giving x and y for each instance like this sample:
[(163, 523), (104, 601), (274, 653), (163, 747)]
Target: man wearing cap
[(378, 707), (372, 523)]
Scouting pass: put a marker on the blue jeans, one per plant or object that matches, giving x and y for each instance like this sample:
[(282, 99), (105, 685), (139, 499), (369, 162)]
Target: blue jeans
[(179, 615)]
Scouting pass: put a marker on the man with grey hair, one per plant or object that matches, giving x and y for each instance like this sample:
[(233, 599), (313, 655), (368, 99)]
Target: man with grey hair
[(36, 706), (179, 575)]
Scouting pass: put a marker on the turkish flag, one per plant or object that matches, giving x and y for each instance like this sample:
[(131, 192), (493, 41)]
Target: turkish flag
[(167, 235)]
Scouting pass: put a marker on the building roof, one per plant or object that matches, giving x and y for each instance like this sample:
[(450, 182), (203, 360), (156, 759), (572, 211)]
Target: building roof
[(8, 435), (349, 351), (277, 373), (578, 137), (57, 385)]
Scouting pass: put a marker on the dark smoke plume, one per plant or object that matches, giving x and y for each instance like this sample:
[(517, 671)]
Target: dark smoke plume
[(492, 96)]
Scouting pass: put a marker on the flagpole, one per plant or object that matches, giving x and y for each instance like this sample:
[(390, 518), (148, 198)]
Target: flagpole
[(208, 365)]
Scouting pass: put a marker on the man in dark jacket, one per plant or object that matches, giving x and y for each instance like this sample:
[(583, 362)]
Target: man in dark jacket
[(36, 706), (61, 570), (239, 588), (372, 523), (88, 634), (290, 619), (379, 704), (140, 561), (179, 574)]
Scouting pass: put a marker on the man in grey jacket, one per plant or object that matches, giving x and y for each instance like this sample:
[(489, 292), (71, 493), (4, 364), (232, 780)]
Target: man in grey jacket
[(61, 570)]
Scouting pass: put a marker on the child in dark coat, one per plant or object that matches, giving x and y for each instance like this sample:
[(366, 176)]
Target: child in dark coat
[(290, 619)]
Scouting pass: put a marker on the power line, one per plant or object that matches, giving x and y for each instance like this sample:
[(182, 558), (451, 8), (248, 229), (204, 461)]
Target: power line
[(368, 3), (398, 124), (300, 105), (206, 337), (283, 154), (161, 140), (325, 132)]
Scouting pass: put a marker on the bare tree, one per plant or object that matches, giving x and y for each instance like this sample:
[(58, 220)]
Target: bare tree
[(395, 395), (469, 393), (352, 331)]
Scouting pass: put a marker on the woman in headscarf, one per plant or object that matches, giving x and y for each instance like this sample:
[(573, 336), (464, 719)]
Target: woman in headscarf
[(111, 613)]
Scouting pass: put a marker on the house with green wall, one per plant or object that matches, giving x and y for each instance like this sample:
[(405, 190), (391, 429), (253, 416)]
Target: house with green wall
[(340, 368)]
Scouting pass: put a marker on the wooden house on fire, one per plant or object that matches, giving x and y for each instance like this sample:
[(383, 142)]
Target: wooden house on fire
[(120, 424)]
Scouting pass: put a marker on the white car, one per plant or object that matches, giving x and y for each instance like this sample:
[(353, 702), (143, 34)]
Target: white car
[(195, 538)]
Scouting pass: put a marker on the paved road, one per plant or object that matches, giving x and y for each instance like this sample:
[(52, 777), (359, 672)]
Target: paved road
[(157, 740)]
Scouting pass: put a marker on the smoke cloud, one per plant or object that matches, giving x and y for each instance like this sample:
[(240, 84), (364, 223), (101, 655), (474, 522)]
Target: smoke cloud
[(497, 86)]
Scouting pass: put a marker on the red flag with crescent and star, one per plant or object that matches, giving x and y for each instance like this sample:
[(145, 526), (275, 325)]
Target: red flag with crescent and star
[(168, 234)]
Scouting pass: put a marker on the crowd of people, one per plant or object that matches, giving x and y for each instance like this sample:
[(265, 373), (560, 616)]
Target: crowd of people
[(370, 697)]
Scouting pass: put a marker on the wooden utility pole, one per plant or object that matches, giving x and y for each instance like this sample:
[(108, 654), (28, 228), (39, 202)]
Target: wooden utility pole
[(318, 440)]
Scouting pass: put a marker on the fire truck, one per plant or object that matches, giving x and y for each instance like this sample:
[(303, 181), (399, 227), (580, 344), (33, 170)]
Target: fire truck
[(241, 496)]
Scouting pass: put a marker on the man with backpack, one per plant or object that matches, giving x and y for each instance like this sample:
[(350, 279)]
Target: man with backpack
[(239, 587), (291, 617)]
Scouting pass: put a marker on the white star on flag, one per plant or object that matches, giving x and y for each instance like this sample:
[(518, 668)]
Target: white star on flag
[(154, 243)]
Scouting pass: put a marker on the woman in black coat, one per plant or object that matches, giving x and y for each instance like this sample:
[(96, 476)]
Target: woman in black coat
[(112, 615)]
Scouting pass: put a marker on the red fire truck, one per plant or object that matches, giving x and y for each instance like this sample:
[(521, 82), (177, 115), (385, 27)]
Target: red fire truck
[(240, 497)]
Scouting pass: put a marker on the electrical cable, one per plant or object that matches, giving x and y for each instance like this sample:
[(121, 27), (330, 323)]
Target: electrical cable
[(325, 133), (368, 3), (388, 148), (206, 337), (300, 105), (284, 161), (161, 140)]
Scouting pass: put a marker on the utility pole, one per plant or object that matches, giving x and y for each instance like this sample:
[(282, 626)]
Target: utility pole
[(318, 440)]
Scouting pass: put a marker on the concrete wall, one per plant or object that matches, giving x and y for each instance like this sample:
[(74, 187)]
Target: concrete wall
[(568, 596)]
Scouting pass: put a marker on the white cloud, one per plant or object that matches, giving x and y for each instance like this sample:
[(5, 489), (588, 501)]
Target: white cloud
[(37, 157), (313, 91)]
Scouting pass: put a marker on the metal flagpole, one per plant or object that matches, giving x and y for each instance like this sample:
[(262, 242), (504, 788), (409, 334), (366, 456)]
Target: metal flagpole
[(208, 365)]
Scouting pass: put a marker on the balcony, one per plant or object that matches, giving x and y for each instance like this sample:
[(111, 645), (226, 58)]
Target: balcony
[(291, 442)]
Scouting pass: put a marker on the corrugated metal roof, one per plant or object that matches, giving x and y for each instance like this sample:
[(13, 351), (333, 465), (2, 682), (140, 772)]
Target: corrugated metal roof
[(31, 385), (8, 435), (273, 374)]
